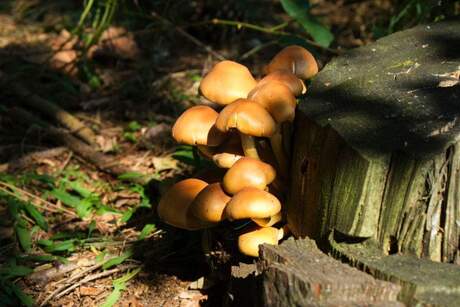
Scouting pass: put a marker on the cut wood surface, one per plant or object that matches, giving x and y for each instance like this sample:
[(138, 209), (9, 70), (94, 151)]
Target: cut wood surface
[(297, 273), (376, 152), (399, 93), (423, 282)]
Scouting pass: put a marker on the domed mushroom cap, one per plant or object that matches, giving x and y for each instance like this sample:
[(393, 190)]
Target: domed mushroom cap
[(277, 99), (196, 126), (173, 208), (210, 203), (248, 172), (295, 59), (248, 243), (247, 117), (252, 203), (295, 84), (226, 82)]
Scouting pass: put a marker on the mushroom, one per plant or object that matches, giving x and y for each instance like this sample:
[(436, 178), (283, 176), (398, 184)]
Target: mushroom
[(173, 208), (248, 172), (226, 82), (296, 60), (279, 101), (229, 152), (252, 203), (250, 119), (248, 243), (196, 126), (210, 203), (268, 221), (296, 85)]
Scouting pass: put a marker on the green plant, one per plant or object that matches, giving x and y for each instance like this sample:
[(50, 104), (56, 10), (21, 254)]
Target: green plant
[(299, 10)]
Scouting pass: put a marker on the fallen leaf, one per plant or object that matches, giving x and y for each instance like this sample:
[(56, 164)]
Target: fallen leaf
[(164, 163), (90, 291)]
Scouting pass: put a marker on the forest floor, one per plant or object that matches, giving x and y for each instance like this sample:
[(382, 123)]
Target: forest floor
[(82, 231)]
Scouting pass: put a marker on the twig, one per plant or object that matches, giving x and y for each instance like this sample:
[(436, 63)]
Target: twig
[(70, 280), (66, 162), (256, 49), (273, 30), (188, 36), (88, 279)]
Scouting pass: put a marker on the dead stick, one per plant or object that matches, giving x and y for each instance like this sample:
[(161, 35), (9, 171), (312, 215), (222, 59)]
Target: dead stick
[(98, 159), (88, 279), (61, 116)]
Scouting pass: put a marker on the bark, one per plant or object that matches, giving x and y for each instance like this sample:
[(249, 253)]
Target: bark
[(375, 146)]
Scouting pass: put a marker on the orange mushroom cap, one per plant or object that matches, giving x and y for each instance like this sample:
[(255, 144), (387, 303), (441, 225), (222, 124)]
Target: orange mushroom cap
[(210, 203), (196, 126), (248, 243), (296, 60), (226, 82), (252, 203), (277, 99), (247, 117), (248, 172), (296, 85), (174, 205)]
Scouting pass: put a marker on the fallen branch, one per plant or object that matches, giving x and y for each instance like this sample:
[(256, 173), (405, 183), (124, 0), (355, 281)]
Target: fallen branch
[(98, 159), (61, 116)]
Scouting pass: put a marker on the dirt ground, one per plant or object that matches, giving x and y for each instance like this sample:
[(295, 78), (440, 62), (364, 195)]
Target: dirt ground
[(128, 89)]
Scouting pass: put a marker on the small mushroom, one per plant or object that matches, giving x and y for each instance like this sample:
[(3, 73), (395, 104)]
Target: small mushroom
[(248, 243), (250, 119), (296, 85), (252, 203), (226, 82), (173, 208), (196, 126), (279, 101), (296, 60), (210, 203), (248, 172), (229, 152)]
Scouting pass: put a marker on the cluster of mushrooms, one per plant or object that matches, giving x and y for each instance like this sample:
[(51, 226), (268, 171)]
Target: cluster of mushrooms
[(253, 115)]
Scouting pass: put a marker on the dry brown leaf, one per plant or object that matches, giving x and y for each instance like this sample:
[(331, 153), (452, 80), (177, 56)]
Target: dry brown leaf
[(118, 42), (90, 291)]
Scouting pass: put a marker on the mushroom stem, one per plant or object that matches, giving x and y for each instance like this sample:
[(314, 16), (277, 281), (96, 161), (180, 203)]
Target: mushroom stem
[(249, 146), (276, 140)]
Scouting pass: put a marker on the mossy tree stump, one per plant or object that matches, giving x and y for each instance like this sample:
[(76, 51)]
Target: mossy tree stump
[(375, 176), (376, 150)]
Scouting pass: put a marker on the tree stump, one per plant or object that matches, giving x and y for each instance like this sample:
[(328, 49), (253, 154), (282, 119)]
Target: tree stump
[(376, 151), (297, 273)]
